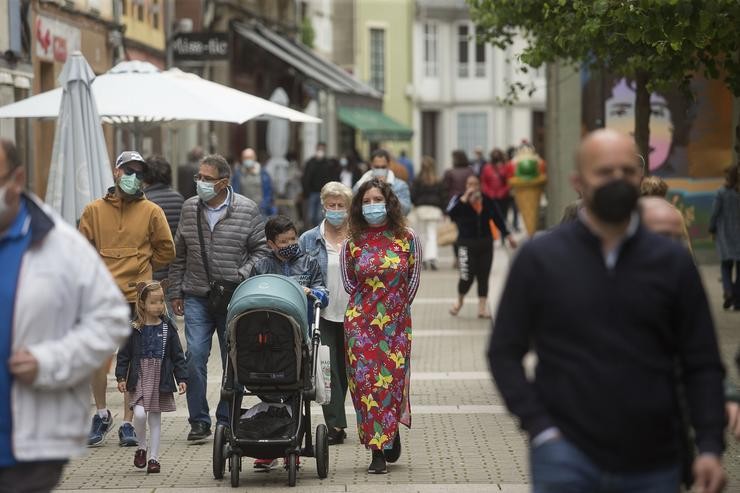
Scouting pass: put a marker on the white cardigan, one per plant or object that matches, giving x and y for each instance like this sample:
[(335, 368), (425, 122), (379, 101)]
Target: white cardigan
[(70, 314)]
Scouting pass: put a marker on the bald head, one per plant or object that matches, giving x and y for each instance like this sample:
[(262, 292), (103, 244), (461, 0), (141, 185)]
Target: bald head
[(661, 217), (606, 145), (249, 154)]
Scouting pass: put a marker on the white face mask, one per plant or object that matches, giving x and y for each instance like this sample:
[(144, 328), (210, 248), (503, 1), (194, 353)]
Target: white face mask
[(3, 204)]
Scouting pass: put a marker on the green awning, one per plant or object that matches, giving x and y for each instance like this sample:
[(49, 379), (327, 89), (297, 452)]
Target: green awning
[(374, 125)]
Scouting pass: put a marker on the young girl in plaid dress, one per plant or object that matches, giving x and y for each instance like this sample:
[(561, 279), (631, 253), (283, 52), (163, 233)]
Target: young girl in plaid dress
[(151, 367)]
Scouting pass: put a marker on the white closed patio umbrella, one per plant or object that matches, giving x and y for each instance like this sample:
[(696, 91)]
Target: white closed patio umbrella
[(80, 171)]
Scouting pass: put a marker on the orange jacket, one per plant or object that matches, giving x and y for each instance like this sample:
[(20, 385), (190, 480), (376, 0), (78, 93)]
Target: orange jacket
[(132, 237)]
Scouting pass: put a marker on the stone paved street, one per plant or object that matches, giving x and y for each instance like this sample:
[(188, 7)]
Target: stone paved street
[(462, 438)]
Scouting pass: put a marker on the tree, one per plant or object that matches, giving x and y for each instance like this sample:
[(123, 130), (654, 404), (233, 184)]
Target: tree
[(659, 43)]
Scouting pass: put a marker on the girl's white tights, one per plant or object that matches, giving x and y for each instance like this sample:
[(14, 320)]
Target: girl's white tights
[(155, 428)]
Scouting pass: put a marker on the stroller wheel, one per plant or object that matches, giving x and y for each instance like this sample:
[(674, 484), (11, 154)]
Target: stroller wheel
[(219, 451), (292, 469), (322, 451), (235, 463)]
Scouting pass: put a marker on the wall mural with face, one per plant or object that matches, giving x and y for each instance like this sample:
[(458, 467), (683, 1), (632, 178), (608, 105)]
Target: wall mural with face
[(690, 137)]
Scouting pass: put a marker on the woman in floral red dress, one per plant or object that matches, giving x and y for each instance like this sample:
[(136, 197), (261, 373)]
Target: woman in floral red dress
[(380, 270)]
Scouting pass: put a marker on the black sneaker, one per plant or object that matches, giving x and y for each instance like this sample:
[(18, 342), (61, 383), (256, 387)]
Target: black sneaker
[(199, 431), (394, 453), (377, 466), (336, 436)]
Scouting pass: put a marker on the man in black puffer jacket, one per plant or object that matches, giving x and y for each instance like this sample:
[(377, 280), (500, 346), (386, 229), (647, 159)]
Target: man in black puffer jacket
[(159, 190)]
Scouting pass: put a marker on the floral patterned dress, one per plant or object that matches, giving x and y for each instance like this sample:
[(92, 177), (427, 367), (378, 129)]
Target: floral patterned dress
[(381, 274)]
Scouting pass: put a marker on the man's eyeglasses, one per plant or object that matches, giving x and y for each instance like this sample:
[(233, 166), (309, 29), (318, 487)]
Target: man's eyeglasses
[(130, 171), (207, 179)]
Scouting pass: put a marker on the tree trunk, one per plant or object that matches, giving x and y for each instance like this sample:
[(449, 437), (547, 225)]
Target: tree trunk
[(642, 118)]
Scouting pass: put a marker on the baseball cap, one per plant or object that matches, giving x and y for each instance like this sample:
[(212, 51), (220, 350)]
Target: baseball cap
[(127, 157)]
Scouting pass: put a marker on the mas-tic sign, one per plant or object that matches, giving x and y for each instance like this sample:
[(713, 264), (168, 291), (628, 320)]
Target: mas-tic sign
[(201, 46)]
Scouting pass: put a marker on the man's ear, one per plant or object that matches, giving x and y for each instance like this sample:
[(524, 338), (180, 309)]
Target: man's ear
[(576, 182)]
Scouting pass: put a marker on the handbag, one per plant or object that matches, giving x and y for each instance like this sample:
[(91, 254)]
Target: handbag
[(446, 233), (322, 376), (219, 291)]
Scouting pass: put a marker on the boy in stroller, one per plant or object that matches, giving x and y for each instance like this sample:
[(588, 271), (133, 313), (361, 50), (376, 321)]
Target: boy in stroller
[(288, 260)]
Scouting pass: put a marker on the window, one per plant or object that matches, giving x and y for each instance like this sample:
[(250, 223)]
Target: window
[(377, 59), (480, 60), (462, 50), (472, 130), (430, 50), (124, 7), (469, 50), (140, 11), (155, 14)]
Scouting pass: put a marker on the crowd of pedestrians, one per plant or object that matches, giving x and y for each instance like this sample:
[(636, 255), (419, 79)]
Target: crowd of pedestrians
[(648, 371)]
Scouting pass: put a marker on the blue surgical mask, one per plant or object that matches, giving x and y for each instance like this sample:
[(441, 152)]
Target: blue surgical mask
[(380, 172), (206, 191), (336, 218), (343, 162), (129, 184), (249, 163), (374, 213), (289, 252)]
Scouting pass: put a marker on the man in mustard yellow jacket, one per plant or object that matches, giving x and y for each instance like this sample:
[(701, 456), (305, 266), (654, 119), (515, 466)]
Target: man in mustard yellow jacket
[(133, 238)]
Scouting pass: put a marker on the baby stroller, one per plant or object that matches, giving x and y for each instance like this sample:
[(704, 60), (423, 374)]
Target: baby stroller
[(269, 355)]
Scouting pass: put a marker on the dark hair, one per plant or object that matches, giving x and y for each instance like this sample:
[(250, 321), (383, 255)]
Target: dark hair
[(278, 225), (381, 153), (218, 162), (357, 223), (732, 177), (459, 159), (497, 156), (11, 154), (158, 170)]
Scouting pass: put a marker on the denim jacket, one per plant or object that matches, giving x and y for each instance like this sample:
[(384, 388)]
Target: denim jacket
[(313, 245)]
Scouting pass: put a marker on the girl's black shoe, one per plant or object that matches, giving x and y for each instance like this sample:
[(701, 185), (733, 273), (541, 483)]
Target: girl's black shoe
[(377, 466), (394, 453), (336, 436)]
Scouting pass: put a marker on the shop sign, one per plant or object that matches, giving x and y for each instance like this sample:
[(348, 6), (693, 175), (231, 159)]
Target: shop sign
[(200, 46), (55, 39)]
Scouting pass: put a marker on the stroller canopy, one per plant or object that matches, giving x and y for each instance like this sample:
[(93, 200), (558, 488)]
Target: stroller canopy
[(270, 292)]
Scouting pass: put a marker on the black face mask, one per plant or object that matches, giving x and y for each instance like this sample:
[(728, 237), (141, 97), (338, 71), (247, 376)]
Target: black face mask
[(615, 201)]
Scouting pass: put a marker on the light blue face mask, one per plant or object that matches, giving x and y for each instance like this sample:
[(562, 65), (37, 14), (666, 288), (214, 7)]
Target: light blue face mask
[(249, 163), (206, 191), (380, 172), (129, 184), (374, 213), (336, 218)]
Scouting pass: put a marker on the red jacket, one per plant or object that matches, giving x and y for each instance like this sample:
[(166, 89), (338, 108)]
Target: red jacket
[(494, 181)]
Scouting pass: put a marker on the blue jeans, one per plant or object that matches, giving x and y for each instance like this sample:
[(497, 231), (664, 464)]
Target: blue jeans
[(315, 213), (729, 286), (559, 467), (199, 328)]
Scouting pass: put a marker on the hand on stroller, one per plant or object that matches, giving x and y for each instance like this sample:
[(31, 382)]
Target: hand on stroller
[(122, 386)]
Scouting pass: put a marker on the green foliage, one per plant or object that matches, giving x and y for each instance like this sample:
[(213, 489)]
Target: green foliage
[(665, 41), (308, 35)]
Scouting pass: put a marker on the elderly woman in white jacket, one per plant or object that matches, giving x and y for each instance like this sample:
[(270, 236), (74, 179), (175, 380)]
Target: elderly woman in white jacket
[(66, 319)]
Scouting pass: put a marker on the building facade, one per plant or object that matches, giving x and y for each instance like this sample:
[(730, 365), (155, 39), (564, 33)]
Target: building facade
[(56, 29), (459, 88), (384, 57)]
